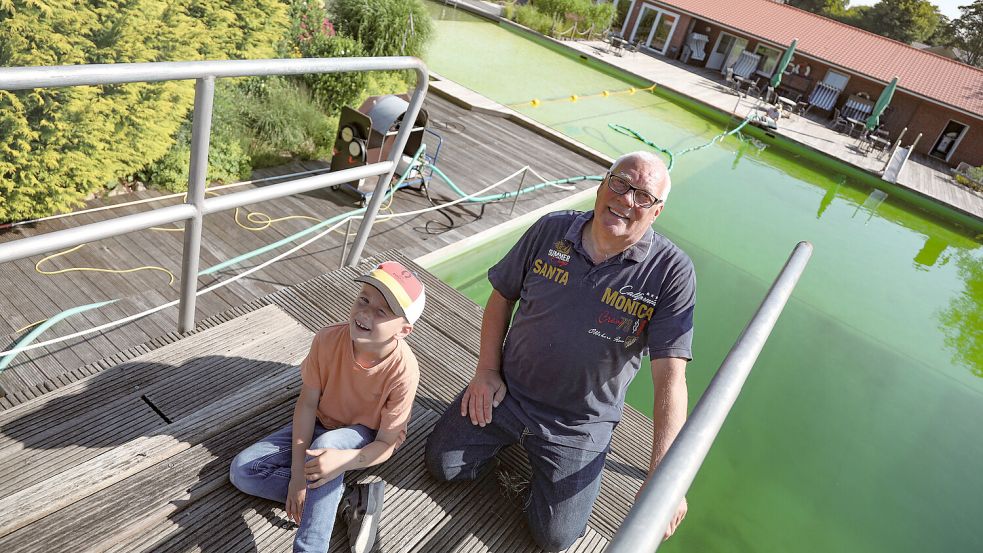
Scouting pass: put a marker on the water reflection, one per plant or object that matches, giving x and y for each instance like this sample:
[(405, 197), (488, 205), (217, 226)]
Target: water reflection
[(929, 255), (962, 321), (828, 198)]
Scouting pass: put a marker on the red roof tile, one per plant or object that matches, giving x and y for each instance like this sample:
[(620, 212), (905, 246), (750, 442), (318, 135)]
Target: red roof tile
[(927, 74)]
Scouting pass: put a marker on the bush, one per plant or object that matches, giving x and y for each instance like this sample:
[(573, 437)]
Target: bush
[(257, 122), (281, 120), (62, 144), (973, 178), (536, 20), (567, 18), (383, 26)]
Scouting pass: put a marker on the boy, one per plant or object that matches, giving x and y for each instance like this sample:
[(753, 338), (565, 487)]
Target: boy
[(359, 382)]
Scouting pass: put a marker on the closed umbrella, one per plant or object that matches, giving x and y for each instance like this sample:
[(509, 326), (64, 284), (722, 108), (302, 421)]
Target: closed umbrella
[(776, 79), (881, 105)]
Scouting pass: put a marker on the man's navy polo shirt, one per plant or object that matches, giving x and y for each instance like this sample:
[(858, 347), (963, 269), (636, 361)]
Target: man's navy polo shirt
[(580, 331)]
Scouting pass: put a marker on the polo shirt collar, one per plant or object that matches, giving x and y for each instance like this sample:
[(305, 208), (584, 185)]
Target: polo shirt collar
[(636, 252)]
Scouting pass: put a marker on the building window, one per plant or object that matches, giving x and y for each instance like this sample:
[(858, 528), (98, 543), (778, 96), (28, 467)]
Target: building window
[(768, 61), (836, 80)]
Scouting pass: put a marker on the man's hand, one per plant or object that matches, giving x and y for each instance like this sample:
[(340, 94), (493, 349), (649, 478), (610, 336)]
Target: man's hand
[(486, 390), (677, 519), (326, 465), (296, 493)]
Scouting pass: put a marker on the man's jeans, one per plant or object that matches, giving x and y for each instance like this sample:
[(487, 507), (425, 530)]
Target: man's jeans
[(263, 470), (565, 480)]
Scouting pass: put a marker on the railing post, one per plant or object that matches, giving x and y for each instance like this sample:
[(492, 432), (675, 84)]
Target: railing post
[(405, 128), (646, 523), (200, 131)]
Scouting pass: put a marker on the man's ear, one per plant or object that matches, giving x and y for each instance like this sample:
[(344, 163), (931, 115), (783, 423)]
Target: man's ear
[(405, 330)]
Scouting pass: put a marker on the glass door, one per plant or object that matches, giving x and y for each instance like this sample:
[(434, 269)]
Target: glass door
[(643, 27), (654, 28), (725, 43), (661, 32)]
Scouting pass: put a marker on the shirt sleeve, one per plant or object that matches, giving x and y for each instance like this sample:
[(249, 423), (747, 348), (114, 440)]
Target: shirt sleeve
[(310, 368), (507, 275), (670, 333)]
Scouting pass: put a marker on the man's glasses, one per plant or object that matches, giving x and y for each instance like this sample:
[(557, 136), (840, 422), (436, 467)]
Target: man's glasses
[(620, 185)]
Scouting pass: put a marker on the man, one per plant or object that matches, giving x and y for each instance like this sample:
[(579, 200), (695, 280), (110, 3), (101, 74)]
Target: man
[(595, 290)]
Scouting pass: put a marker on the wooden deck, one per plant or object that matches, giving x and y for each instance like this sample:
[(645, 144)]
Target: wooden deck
[(478, 149), (134, 456)]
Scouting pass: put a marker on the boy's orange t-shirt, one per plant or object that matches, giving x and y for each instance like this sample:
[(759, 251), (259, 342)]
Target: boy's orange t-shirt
[(379, 397)]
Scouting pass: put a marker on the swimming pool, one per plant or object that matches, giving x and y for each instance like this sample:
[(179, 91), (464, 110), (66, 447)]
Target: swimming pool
[(858, 429)]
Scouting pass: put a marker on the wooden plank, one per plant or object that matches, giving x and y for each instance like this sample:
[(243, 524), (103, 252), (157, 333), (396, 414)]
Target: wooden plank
[(127, 509), (94, 475), (83, 420), (250, 523)]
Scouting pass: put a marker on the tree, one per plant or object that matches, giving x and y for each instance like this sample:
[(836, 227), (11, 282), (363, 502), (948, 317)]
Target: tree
[(903, 20), (966, 32), (822, 7)]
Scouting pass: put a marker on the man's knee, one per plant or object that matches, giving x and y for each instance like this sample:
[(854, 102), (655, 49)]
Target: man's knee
[(555, 537), (434, 458)]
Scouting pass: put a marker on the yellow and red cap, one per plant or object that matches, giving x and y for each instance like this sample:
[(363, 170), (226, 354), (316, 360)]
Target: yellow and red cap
[(403, 291)]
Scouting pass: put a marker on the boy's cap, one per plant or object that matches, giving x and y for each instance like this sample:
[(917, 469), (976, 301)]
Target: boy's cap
[(402, 290)]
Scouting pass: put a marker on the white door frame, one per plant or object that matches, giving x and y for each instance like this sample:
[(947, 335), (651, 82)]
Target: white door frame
[(659, 12), (624, 26), (955, 145), (713, 50)]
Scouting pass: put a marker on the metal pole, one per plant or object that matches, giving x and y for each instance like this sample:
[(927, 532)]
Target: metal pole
[(200, 131), (648, 519), (344, 249), (515, 200), (409, 121)]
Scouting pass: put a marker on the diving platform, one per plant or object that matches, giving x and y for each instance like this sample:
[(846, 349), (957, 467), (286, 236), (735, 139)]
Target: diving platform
[(132, 453)]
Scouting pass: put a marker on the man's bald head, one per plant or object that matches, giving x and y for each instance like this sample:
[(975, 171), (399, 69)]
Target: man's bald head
[(652, 171)]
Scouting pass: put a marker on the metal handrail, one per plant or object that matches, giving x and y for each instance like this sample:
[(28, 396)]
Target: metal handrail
[(646, 523), (197, 206)]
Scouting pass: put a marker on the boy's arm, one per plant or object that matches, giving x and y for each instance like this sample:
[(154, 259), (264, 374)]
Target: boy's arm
[(329, 463), (303, 431)]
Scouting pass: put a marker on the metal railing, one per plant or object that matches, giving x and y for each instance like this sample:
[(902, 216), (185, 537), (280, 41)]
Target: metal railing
[(197, 206), (646, 523)]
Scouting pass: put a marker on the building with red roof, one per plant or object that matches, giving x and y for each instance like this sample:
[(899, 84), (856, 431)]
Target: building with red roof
[(938, 97)]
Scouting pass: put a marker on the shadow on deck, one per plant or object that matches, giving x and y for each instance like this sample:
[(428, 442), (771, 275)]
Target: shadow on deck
[(135, 456)]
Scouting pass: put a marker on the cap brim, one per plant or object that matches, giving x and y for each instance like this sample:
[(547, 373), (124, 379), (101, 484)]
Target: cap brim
[(386, 293)]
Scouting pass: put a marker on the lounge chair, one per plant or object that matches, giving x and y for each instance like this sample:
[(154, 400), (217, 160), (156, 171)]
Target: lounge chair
[(823, 97), (856, 107), (742, 69), (695, 48), (746, 64)]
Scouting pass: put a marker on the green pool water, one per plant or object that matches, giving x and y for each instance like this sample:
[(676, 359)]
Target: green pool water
[(859, 428)]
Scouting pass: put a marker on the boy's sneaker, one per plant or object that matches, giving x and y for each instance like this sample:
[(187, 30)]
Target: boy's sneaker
[(361, 508)]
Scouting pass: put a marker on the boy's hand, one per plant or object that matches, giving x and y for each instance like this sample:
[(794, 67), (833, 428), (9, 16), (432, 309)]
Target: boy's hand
[(486, 390), (296, 493), (325, 466)]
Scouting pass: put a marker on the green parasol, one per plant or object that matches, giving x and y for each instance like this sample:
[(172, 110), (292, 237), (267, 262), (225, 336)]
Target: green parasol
[(881, 105), (776, 79)]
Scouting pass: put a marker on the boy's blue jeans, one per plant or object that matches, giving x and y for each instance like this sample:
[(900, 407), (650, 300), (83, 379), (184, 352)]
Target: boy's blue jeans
[(263, 470), (565, 480)]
